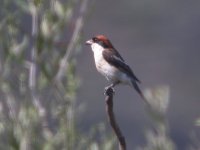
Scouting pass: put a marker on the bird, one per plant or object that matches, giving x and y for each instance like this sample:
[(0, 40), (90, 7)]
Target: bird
[(110, 64)]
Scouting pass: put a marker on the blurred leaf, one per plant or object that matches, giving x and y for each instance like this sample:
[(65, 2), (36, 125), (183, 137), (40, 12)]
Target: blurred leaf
[(197, 123), (158, 98), (18, 48), (46, 28), (37, 2), (94, 146), (58, 7)]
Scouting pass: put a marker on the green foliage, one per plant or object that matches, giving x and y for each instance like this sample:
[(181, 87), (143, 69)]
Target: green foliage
[(37, 111)]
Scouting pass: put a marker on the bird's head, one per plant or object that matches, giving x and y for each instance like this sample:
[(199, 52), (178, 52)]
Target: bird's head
[(100, 40)]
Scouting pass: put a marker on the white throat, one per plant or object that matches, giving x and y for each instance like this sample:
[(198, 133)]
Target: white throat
[(96, 48)]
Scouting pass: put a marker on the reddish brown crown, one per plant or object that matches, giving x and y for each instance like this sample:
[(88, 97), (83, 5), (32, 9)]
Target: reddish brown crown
[(105, 41)]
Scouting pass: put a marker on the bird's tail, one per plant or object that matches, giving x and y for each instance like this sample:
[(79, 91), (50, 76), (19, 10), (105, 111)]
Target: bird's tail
[(136, 87)]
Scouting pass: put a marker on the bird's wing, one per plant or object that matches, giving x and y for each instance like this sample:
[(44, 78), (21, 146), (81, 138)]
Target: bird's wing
[(114, 59)]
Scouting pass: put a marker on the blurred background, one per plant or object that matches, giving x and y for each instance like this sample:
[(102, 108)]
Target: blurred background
[(160, 41), (51, 96)]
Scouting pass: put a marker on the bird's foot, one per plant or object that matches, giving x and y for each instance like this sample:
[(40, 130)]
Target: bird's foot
[(109, 90)]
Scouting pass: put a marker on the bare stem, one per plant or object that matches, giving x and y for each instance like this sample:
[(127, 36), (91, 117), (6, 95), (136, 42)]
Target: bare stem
[(111, 117), (78, 27)]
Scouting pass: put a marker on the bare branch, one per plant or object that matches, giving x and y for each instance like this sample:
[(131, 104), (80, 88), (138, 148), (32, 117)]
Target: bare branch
[(111, 117), (78, 27)]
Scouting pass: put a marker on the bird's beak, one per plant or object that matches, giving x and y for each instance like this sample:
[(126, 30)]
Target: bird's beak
[(89, 42)]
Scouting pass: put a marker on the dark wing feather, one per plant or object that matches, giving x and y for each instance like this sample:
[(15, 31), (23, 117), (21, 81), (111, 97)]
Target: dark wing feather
[(114, 59)]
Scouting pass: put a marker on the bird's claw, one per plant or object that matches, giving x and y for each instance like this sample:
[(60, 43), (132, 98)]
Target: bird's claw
[(109, 90)]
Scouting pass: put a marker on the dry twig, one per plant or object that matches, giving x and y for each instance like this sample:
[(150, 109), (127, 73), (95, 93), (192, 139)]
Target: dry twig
[(78, 27)]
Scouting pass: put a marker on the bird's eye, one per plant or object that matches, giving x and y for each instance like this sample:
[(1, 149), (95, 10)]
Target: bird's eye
[(99, 41), (94, 39)]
